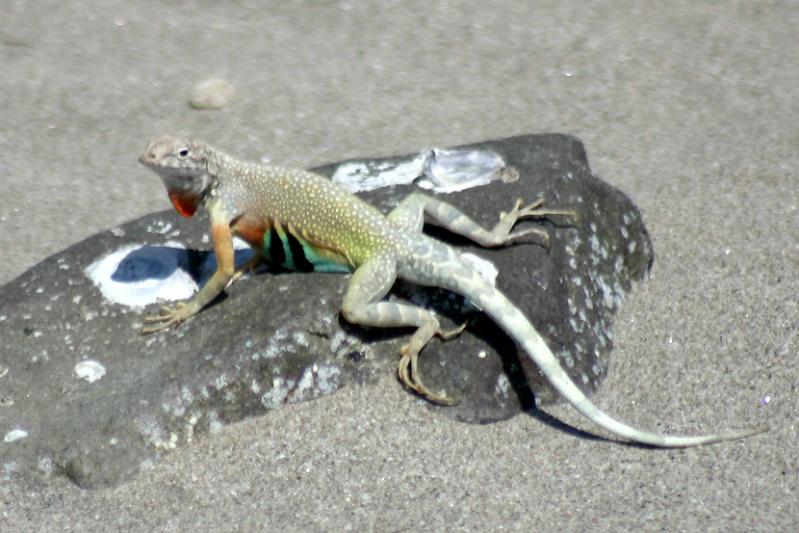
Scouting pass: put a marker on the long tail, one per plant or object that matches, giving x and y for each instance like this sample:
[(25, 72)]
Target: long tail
[(515, 324)]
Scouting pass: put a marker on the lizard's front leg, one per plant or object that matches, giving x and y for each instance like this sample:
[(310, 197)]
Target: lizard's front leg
[(223, 249), (362, 305)]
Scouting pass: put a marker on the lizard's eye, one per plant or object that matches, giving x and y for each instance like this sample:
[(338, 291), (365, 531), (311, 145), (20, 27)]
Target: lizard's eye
[(183, 153)]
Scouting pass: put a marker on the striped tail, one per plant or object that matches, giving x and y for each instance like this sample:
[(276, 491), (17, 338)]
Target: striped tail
[(515, 324)]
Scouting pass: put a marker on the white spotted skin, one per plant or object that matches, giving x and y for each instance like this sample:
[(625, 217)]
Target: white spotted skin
[(306, 203)]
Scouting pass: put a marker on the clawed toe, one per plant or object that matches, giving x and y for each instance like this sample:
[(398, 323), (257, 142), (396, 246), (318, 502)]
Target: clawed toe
[(502, 233), (542, 235), (559, 217), (168, 317), (408, 372)]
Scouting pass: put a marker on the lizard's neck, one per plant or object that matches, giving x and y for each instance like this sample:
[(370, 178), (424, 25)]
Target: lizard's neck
[(223, 170), (188, 195), (219, 164)]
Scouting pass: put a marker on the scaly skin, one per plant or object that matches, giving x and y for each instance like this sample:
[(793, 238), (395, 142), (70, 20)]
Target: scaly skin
[(306, 222)]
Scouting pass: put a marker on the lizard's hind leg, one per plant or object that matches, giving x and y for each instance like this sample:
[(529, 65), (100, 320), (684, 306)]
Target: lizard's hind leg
[(363, 305), (409, 214), (417, 208)]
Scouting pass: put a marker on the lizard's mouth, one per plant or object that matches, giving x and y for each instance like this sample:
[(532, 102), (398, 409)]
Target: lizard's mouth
[(165, 168), (174, 174), (147, 159)]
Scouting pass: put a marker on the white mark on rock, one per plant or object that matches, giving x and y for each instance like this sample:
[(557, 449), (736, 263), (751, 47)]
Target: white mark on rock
[(456, 170), (300, 338), (440, 170), (137, 275), (618, 265), (215, 424), (15, 435), (90, 370), (45, 466), (160, 226), (502, 386)]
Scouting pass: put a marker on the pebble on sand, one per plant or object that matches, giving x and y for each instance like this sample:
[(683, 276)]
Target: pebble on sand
[(213, 93)]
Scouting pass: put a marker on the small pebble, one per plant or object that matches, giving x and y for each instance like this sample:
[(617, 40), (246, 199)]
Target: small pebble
[(213, 93)]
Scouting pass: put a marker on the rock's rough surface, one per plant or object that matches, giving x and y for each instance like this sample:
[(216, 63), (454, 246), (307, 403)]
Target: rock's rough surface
[(84, 395)]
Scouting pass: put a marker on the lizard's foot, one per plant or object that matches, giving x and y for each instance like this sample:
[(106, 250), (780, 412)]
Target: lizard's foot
[(502, 231), (169, 316), (409, 375), (408, 369)]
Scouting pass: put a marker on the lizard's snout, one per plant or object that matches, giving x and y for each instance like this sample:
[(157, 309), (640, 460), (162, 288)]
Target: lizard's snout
[(147, 158)]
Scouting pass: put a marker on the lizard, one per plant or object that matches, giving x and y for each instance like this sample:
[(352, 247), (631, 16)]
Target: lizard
[(306, 222)]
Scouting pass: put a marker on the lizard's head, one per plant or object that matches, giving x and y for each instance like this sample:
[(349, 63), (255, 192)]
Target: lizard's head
[(183, 167)]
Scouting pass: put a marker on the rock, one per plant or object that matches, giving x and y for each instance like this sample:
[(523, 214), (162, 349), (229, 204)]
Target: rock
[(213, 93), (83, 394)]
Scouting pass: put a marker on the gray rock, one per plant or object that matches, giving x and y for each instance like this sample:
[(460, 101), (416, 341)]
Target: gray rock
[(83, 394)]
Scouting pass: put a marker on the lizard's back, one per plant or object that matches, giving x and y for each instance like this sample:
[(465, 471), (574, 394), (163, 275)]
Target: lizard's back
[(302, 220)]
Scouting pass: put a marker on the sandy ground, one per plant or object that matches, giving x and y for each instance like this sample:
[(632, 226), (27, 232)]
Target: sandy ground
[(691, 108)]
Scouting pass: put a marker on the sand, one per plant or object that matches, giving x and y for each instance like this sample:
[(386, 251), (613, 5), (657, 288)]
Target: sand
[(691, 108)]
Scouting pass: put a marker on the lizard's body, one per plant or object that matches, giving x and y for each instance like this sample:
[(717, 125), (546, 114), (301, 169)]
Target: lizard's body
[(306, 222)]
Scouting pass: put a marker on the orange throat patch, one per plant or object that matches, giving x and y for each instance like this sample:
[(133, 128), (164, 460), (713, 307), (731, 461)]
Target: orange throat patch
[(184, 204)]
